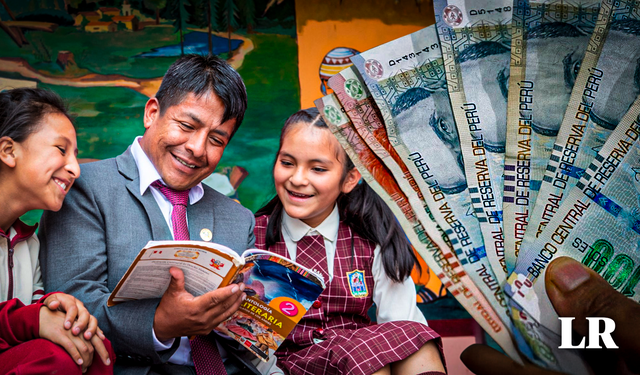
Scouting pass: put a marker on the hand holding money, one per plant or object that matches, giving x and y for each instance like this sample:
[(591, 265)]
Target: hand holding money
[(576, 291)]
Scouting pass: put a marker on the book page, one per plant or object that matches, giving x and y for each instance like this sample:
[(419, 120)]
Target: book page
[(206, 267)]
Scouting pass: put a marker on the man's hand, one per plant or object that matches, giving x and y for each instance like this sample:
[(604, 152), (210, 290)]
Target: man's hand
[(80, 349), (181, 314), (74, 309), (576, 291)]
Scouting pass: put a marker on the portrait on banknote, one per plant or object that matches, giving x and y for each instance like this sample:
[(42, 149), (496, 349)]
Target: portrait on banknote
[(486, 82), (424, 116), (554, 52)]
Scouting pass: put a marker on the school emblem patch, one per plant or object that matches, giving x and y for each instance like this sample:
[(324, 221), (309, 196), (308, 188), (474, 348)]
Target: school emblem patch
[(356, 284)]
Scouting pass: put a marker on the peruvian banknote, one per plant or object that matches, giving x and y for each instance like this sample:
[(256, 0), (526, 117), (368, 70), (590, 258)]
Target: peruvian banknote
[(446, 267), (475, 37), (549, 39), (607, 85), (357, 102), (406, 80), (598, 224)]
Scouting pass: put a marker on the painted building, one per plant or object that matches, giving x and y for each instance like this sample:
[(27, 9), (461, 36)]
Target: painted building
[(89, 16), (132, 23), (101, 27), (113, 12)]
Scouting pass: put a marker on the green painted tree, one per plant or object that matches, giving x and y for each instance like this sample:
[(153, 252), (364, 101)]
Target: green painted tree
[(156, 5), (179, 11), (230, 18), (212, 20), (249, 14)]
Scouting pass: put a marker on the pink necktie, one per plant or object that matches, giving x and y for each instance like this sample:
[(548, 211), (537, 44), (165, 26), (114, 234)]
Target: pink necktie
[(179, 201), (204, 350)]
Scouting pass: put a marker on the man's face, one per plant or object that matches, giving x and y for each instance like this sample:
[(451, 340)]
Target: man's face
[(553, 64), (186, 143)]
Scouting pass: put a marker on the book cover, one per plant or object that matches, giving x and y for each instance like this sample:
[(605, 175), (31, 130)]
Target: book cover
[(279, 293)]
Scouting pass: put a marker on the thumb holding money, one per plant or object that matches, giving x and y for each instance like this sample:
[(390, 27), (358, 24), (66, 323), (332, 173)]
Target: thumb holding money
[(576, 291)]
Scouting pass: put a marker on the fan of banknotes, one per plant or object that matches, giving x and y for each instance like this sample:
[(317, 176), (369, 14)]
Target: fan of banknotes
[(502, 137)]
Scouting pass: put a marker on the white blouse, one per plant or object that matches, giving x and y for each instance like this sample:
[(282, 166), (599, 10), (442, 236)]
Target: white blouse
[(394, 301)]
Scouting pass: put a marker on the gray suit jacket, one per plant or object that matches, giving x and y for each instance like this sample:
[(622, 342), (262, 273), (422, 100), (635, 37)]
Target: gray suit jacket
[(87, 246)]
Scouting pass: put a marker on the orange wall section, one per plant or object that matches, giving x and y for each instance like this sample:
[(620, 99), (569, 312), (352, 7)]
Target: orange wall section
[(319, 33)]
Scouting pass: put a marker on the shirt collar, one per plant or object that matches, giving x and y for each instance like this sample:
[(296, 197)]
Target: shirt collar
[(19, 231), (148, 172), (297, 229)]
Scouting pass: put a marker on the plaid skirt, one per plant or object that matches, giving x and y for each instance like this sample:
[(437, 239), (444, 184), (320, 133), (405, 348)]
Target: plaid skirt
[(361, 351)]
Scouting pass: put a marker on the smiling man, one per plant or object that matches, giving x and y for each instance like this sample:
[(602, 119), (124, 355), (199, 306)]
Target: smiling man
[(119, 204)]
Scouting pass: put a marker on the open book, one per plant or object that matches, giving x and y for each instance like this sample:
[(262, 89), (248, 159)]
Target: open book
[(279, 291)]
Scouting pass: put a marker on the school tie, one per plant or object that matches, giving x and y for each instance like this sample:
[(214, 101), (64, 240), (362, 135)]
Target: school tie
[(179, 201), (310, 252), (204, 350)]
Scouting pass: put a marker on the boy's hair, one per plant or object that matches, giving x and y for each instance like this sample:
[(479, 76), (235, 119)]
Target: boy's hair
[(361, 209), (201, 75), (22, 111)]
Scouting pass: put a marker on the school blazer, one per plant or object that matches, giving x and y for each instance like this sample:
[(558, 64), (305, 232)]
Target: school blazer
[(87, 246)]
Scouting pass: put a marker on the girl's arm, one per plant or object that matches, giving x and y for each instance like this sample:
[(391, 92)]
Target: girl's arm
[(394, 301), (18, 323)]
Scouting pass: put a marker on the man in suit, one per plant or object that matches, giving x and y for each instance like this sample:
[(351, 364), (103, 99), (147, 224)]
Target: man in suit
[(119, 204)]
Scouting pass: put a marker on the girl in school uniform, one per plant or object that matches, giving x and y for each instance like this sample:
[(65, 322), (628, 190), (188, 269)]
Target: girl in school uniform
[(39, 334), (325, 219)]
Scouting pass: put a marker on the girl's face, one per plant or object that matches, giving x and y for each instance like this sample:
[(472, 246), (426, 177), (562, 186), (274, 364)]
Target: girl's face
[(308, 173), (45, 163)]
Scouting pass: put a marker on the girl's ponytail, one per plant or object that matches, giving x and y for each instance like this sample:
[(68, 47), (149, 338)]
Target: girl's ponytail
[(274, 210), (367, 214)]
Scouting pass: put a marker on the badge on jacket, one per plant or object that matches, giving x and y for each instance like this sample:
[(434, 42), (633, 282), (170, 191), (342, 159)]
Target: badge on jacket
[(356, 284)]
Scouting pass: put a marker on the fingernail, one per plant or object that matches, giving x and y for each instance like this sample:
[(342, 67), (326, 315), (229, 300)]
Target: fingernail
[(234, 289), (242, 286), (76, 330), (80, 361), (108, 362), (568, 274), (67, 324), (89, 334), (244, 296)]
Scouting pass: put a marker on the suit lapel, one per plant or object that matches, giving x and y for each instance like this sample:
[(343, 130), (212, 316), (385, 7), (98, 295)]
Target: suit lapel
[(201, 218), (129, 170)]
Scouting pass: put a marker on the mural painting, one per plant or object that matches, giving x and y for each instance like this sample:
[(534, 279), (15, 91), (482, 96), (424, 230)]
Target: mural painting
[(107, 57)]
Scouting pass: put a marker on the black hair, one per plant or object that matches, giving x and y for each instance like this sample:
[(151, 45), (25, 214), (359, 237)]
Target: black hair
[(22, 111), (361, 209), (201, 75)]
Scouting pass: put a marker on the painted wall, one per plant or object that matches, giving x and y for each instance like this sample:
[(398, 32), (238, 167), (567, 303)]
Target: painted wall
[(107, 57), (323, 25)]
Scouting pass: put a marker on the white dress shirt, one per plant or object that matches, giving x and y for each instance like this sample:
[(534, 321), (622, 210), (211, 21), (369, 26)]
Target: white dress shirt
[(394, 301)]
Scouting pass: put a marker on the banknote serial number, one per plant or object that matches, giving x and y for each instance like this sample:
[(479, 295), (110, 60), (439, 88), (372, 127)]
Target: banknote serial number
[(414, 55), (480, 11)]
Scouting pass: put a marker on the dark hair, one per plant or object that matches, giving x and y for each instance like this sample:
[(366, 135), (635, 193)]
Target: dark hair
[(22, 111), (201, 75), (361, 209)]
